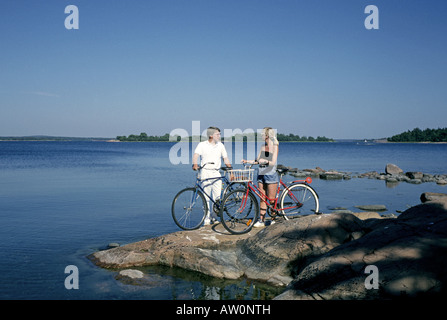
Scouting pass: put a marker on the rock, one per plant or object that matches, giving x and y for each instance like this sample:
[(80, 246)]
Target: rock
[(271, 254), (393, 174), (331, 175), (342, 211), (410, 253), (414, 175), (315, 173), (138, 278), (428, 178), (209, 250), (283, 248), (370, 175), (131, 273), (403, 178), (433, 196), (367, 215), (316, 256), (113, 245), (389, 215), (372, 207), (301, 174), (336, 208), (393, 169)]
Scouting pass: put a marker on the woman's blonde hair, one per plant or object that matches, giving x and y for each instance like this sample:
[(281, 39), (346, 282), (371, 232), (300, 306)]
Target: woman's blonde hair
[(269, 132)]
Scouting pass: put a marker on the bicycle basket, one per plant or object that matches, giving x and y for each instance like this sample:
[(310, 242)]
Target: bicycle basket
[(240, 175)]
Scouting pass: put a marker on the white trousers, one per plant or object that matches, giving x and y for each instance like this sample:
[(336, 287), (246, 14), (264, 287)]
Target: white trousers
[(212, 188)]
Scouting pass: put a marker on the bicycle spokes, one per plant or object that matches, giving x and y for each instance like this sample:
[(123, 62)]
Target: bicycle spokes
[(189, 209), (298, 200), (239, 211)]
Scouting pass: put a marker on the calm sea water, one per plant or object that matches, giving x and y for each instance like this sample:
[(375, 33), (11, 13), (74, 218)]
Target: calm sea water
[(61, 201)]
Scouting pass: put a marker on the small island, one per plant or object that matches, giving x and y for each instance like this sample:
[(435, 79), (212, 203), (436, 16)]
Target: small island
[(143, 137), (418, 135)]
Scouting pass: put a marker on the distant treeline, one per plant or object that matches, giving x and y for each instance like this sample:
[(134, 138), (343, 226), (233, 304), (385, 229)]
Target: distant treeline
[(418, 135), (143, 137), (293, 137), (239, 137), (50, 138)]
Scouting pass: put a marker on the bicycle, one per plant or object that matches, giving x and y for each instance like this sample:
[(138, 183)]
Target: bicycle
[(295, 199), (189, 207)]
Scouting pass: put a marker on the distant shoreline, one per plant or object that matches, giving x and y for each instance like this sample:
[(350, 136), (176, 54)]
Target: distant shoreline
[(55, 139), (51, 138), (421, 142)]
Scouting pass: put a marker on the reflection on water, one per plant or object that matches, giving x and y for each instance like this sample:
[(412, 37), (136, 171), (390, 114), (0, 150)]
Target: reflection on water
[(188, 285)]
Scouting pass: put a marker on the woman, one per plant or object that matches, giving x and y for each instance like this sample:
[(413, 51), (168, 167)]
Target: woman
[(268, 178)]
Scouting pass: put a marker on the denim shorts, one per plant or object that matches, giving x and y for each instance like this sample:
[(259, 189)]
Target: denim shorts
[(268, 178)]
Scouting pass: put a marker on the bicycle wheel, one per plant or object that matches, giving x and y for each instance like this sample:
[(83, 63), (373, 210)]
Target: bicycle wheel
[(233, 186), (229, 187), (298, 200), (239, 211), (189, 208)]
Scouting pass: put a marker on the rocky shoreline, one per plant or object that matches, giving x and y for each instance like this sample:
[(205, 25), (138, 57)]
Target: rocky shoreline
[(313, 257), (392, 174)]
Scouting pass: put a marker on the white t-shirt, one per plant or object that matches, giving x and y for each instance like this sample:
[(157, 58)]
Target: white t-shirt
[(211, 153)]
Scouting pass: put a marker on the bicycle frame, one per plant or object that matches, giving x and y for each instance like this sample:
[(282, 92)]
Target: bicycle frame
[(200, 181), (272, 202)]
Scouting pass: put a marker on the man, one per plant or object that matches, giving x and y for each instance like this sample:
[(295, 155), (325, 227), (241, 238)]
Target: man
[(211, 150)]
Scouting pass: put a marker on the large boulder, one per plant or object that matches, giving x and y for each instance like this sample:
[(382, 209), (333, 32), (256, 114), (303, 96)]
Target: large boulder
[(278, 252), (433, 196), (410, 254), (393, 169), (318, 256), (208, 250), (272, 254)]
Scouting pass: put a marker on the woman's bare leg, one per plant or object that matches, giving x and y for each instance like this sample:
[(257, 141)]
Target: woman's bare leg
[(263, 205)]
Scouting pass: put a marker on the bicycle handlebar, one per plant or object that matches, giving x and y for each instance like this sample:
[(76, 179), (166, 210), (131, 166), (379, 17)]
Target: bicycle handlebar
[(222, 168), (249, 165), (201, 167)]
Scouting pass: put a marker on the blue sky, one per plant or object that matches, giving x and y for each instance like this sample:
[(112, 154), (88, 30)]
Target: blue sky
[(302, 67)]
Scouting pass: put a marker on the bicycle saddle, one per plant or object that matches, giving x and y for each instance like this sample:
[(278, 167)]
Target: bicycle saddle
[(282, 170)]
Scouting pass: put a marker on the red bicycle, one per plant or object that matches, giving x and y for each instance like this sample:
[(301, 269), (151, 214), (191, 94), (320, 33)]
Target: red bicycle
[(240, 209)]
